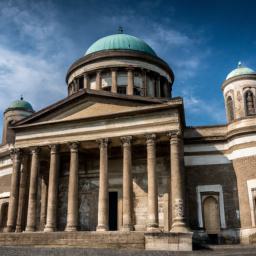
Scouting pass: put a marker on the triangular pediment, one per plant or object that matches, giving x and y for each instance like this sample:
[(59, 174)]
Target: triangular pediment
[(87, 104), (92, 109)]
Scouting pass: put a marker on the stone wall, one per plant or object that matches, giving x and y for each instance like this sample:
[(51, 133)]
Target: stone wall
[(223, 175)]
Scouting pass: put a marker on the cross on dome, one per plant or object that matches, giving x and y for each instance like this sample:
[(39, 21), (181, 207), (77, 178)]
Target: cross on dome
[(120, 30)]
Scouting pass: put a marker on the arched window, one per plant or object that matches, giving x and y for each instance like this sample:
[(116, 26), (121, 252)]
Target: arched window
[(249, 103), (230, 109)]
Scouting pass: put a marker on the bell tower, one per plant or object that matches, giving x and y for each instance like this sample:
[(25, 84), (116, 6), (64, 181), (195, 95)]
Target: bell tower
[(239, 91), (18, 110)]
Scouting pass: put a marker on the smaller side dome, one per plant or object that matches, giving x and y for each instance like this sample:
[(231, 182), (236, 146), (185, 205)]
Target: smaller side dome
[(21, 104), (240, 70)]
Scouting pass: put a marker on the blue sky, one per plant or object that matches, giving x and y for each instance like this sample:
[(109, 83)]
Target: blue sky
[(201, 40)]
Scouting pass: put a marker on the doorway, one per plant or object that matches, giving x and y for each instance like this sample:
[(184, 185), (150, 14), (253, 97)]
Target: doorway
[(3, 216), (112, 210), (211, 217)]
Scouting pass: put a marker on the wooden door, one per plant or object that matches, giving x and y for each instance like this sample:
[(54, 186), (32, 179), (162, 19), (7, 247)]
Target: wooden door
[(211, 215)]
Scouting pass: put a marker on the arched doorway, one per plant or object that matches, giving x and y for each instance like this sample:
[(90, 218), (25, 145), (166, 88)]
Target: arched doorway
[(211, 217), (3, 215)]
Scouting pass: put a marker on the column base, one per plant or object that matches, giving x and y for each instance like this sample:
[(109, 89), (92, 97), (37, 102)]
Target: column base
[(49, 229), (179, 226), (71, 228), (153, 227), (18, 229), (30, 229), (127, 228), (9, 229), (102, 228)]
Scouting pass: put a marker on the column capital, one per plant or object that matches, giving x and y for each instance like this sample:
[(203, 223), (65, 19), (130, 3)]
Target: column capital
[(54, 148), (150, 138), (99, 71), (15, 152), (174, 135), (104, 142), (126, 140), (130, 68), (73, 146), (35, 150), (114, 69)]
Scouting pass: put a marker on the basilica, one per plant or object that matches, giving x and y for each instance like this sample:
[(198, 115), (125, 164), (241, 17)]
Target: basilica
[(114, 165)]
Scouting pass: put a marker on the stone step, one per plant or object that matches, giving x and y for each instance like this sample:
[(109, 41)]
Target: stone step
[(124, 240), (42, 251)]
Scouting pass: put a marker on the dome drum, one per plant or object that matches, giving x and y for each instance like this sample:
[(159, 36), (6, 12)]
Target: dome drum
[(130, 81)]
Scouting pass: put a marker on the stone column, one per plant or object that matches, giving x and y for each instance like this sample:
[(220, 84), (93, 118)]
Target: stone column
[(127, 184), (22, 193), (158, 89), (86, 81), (103, 187), (14, 196), (43, 209), (177, 183), (72, 214), (114, 80), (98, 80), (130, 82), (152, 183), (52, 189), (31, 215), (144, 77)]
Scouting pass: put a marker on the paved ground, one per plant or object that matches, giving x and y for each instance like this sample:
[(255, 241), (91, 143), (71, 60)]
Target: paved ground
[(219, 251)]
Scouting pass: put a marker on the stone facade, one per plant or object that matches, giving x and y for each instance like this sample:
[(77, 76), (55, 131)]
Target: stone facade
[(116, 156)]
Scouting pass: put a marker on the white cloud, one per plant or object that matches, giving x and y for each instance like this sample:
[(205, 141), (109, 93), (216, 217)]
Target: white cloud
[(34, 54), (209, 108)]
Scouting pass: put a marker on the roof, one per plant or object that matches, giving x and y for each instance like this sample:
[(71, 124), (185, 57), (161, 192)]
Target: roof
[(240, 70), (21, 104), (120, 42)]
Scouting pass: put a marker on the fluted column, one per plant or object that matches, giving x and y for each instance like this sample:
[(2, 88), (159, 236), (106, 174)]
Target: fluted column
[(14, 196), (114, 80), (86, 81), (52, 189), (127, 183), (152, 183), (31, 215), (72, 214), (22, 193), (103, 187), (177, 183), (98, 80), (130, 82), (43, 210)]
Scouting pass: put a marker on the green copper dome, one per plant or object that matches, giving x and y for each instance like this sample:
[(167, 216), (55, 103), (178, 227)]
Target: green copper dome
[(120, 42), (21, 104), (240, 70)]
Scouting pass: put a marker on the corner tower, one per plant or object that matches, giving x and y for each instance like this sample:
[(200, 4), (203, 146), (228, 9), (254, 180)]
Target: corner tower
[(239, 90), (18, 110), (123, 64)]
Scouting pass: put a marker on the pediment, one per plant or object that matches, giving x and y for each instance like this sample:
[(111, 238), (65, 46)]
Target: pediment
[(88, 105), (91, 109)]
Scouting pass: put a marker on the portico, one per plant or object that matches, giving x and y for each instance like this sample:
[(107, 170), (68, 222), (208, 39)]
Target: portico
[(72, 204)]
